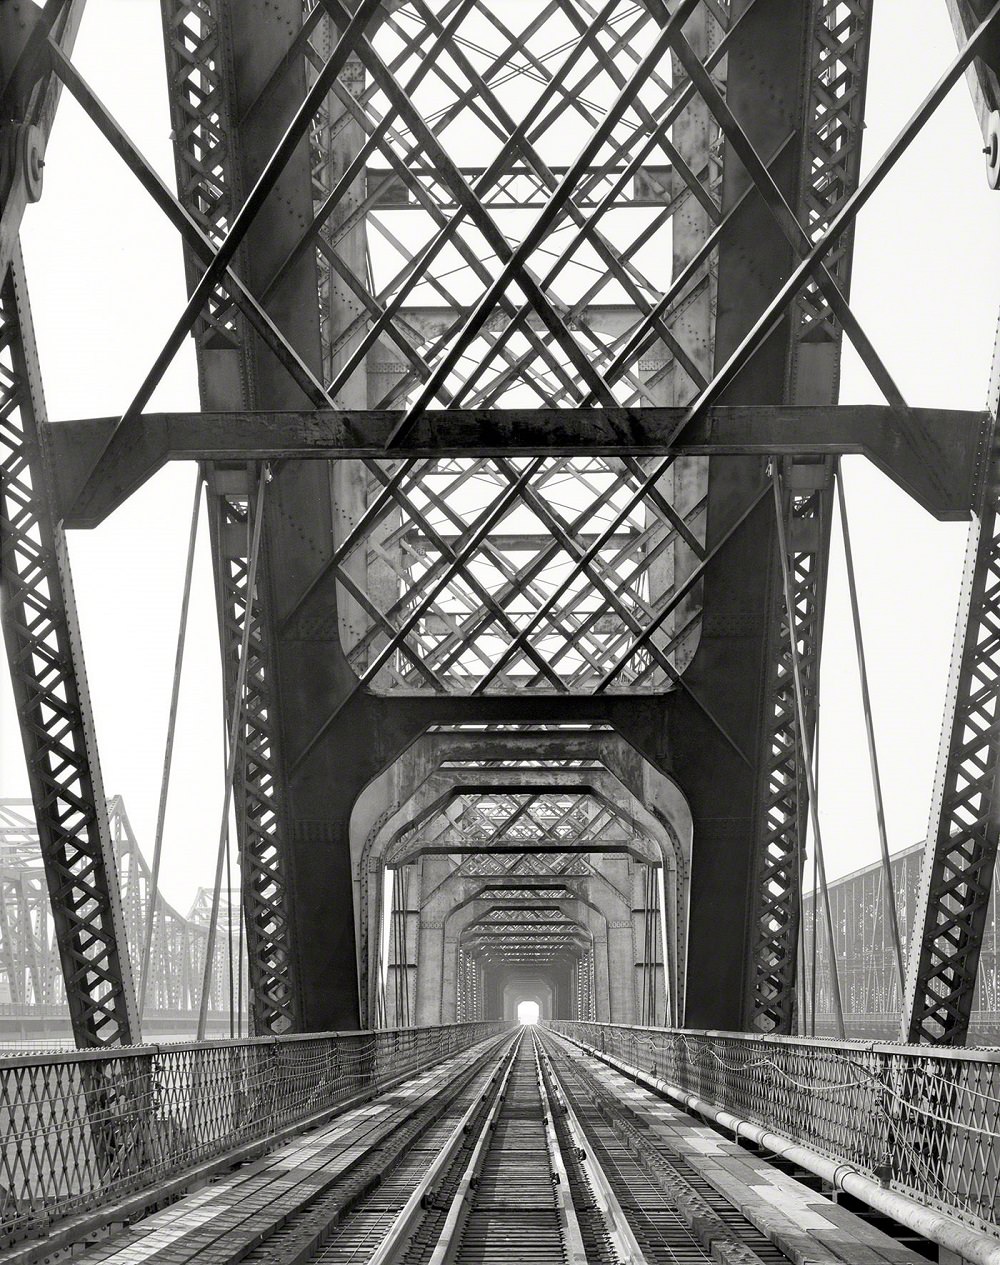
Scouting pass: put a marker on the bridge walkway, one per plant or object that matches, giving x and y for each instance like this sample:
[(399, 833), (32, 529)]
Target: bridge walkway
[(523, 1147)]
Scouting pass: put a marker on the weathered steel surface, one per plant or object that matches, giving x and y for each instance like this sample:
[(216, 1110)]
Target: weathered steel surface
[(93, 482)]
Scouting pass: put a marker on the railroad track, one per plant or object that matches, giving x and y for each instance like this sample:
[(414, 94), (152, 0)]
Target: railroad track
[(520, 1155), (521, 1176)]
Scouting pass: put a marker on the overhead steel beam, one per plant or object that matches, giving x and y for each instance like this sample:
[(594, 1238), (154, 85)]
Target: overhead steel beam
[(983, 76), (92, 481), (42, 635)]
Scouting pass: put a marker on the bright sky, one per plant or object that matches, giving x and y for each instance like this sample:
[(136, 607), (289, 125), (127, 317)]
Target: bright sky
[(107, 284)]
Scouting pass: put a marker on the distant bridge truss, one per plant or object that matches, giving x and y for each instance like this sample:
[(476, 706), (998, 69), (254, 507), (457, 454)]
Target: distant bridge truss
[(863, 939), (31, 979)]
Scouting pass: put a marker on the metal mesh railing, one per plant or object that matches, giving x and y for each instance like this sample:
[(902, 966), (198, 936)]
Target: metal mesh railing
[(926, 1122), (80, 1130)]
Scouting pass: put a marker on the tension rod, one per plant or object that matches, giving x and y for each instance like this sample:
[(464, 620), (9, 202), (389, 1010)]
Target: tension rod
[(234, 729), (889, 892), (804, 743), (168, 753)]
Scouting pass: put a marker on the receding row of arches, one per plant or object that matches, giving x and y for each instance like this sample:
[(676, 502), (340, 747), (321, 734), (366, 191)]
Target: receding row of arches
[(508, 864)]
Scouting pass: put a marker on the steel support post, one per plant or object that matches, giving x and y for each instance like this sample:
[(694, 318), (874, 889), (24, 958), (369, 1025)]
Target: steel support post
[(209, 178), (837, 55), (957, 874), (257, 788), (42, 635)]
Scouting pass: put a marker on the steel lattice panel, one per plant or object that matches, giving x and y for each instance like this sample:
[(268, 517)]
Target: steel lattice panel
[(839, 39), (958, 873), (259, 808), (39, 623), (783, 797), (532, 820), (438, 284), (209, 186)]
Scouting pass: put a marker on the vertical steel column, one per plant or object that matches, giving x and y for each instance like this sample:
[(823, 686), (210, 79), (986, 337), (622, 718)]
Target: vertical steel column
[(957, 874), (50, 691), (199, 77), (837, 57), (256, 791)]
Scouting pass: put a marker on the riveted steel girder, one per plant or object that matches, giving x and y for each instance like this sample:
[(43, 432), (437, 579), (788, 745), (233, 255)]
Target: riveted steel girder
[(208, 143), (50, 691), (837, 43), (964, 830)]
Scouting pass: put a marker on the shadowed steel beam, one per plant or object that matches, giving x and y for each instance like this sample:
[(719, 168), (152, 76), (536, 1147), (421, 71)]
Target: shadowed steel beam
[(957, 874), (208, 151), (93, 480), (983, 76), (829, 171)]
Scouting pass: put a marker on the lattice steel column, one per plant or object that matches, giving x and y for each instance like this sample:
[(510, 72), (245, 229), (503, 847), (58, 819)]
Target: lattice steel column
[(50, 691), (838, 44), (199, 76), (782, 803), (259, 806), (957, 873)]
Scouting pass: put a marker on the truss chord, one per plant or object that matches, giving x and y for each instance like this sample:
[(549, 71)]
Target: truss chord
[(889, 894), (960, 855), (234, 746), (30, 64), (803, 740), (31, 99), (161, 811)]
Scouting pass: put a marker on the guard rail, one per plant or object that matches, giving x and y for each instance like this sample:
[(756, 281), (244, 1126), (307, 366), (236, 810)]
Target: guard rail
[(84, 1129), (924, 1122)]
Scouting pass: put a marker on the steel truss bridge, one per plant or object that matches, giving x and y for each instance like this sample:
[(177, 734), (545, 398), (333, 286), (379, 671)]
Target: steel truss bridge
[(32, 988), (518, 334)]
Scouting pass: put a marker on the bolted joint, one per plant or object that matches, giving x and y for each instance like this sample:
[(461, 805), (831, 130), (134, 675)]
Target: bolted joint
[(22, 158), (992, 150)]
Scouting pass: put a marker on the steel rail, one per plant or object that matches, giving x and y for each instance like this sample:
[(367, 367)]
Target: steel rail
[(623, 1240), (514, 1187), (405, 1223), (673, 1209), (968, 1242)]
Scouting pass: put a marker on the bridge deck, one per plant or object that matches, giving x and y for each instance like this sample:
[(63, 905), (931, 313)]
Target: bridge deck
[(475, 1150)]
